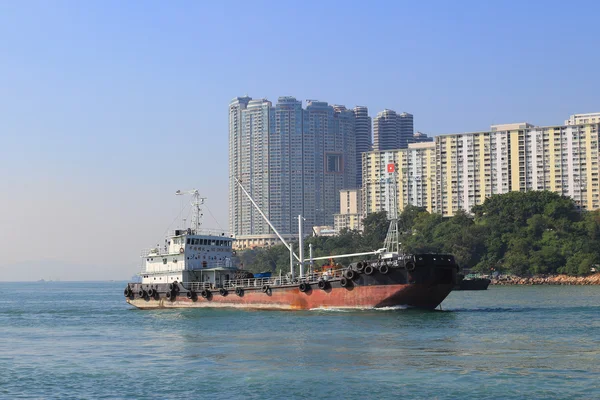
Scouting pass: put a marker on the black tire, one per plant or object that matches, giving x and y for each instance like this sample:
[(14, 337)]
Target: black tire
[(344, 282), (384, 269), (170, 296), (223, 292), (323, 285), (304, 287), (127, 292), (141, 293), (190, 294), (265, 288), (150, 292), (369, 270), (239, 291), (172, 286), (351, 274), (360, 267), (205, 293), (410, 266)]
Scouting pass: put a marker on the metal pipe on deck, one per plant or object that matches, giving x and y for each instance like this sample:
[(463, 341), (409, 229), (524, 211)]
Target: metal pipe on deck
[(343, 256), (266, 219), (310, 255), (301, 244), (292, 259)]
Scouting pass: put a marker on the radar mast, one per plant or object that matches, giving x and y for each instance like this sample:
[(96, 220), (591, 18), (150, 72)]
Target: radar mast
[(197, 203)]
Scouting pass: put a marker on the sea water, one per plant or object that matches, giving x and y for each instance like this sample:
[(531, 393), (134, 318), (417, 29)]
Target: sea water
[(81, 340)]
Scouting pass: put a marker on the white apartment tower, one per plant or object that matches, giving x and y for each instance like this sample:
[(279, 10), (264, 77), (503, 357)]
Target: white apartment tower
[(249, 162)]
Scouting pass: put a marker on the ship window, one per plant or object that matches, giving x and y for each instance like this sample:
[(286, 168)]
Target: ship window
[(164, 260), (188, 241), (212, 243)]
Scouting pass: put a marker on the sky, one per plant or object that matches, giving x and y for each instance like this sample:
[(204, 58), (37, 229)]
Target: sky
[(108, 107)]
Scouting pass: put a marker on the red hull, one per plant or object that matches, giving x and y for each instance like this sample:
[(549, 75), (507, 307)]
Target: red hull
[(291, 298)]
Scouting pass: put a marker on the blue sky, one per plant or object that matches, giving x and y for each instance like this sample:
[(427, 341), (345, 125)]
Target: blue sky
[(109, 107)]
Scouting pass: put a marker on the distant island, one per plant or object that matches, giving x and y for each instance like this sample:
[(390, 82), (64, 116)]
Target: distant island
[(519, 234)]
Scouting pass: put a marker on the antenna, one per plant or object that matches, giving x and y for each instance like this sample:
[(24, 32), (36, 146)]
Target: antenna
[(197, 202)]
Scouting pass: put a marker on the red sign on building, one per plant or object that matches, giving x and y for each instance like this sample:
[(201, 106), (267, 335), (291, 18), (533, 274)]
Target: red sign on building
[(391, 167)]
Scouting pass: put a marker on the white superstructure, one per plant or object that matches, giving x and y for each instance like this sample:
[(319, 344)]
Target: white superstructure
[(189, 255)]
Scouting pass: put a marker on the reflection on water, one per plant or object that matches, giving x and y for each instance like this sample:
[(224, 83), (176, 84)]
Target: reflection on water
[(82, 340)]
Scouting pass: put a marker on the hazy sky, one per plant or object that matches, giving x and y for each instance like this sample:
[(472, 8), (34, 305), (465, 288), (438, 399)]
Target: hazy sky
[(108, 107)]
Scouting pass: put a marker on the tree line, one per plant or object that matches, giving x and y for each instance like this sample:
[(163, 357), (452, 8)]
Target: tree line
[(520, 233)]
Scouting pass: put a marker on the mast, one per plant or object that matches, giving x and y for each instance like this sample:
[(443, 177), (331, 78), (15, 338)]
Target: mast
[(392, 239), (197, 203)]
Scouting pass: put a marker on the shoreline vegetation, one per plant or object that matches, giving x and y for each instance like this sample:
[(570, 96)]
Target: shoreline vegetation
[(547, 280), (524, 234)]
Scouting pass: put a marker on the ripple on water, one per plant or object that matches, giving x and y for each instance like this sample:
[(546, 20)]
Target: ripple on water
[(512, 343)]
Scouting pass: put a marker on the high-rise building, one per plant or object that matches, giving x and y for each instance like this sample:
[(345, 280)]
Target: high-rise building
[(392, 131), (290, 170), (385, 131), (236, 106), (293, 161), (345, 133), (405, 130), (332, 129), (363, 134)]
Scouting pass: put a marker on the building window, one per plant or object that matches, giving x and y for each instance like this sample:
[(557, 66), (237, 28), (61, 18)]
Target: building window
[(333, 163)]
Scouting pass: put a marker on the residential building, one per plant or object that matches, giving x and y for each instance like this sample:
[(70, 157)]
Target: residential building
[(238, 210), (350, 214), (459, 171), (400, 177), (385, 131), (392, 131), (291, 169), (406, 130), (362, 131), (578, 119), (420, 137), (293, 161)]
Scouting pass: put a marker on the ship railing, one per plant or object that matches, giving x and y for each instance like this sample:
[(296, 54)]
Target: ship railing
[(311, 277), (200, 232), (154, 251), (197, 286)]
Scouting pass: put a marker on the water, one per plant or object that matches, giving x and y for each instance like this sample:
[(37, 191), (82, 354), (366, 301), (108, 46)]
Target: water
[(81, 340)]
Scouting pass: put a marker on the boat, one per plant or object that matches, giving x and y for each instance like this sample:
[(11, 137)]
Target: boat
[(195, 268), (472, 282)]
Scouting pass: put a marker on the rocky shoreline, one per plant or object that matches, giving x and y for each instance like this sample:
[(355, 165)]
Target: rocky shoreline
[(547, 280)]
